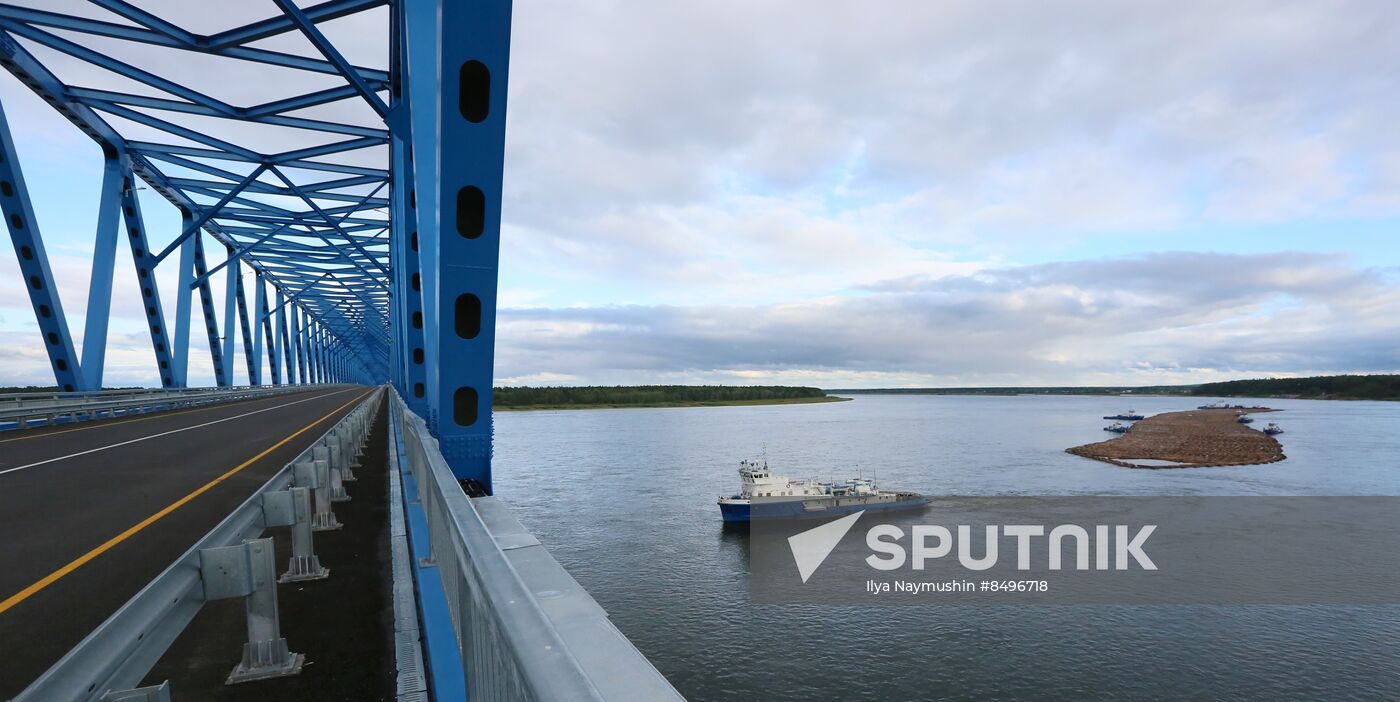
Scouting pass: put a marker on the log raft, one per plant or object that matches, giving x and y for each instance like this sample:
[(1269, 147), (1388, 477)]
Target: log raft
[(1191, 439)]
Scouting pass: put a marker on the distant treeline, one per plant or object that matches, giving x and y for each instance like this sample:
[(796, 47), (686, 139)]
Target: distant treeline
[(49, 388), (1328, 387), (645, 394), (27, 388), (1101, 390)]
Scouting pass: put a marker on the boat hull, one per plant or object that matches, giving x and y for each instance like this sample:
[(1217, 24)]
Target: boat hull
[(811, 509)]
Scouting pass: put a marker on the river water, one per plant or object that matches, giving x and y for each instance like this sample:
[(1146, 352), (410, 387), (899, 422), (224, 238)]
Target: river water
[(625, 499)]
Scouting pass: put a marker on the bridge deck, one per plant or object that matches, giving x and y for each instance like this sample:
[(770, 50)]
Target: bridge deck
[(90, 513), (343, 624)]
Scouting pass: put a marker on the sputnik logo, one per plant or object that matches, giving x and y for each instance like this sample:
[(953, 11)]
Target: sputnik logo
[(810, 548)]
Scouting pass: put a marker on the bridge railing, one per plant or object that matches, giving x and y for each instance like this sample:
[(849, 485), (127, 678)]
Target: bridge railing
[(24, 409), (229, 561), (525, 628)]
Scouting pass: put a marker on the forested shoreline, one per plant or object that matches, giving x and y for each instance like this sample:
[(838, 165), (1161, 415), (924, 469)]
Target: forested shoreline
[(650, 395), (1327, 387)]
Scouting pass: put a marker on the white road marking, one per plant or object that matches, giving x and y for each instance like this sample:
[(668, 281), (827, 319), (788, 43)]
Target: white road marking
[(168, 433)]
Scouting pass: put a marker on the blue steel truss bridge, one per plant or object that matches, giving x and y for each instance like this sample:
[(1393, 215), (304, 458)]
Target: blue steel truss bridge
[(334, 172)]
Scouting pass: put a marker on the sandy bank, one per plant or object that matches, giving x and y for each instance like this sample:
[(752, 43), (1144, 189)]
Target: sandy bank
[(1191, 439)]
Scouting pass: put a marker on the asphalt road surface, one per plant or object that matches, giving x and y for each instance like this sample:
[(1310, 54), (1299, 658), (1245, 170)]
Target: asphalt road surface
[(90, 513)]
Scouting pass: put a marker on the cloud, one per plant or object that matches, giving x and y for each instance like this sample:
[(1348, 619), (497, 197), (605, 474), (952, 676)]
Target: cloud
[(1173, 317), (849, 193), (965, 122)]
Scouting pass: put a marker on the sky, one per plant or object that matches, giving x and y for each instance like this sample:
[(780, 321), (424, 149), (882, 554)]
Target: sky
[(888, 194)]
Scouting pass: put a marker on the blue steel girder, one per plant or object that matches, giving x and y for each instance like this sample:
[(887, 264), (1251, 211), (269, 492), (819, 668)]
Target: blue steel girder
[(190, 228), (298, 349), (34, 265), (183, 290), (104, 260), (146, 277), (274, 367), (245, 326), (373, 215), (211, 323), (409, 355), (100, 28), (473, 57), (334, 208), (327, 49), (284, 349), (231, 285)]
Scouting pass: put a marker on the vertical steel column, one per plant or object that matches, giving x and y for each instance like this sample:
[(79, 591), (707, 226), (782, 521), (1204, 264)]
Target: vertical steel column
[(104, 261), (249, 355), (321, 334), (322, 362), (421, 66), (406, 310), (262, 329), (312, 367), (206, 300), (307, 358), (400, 127), (299, 342), (311, 360), (183, 291), (284, 342), (34, 263), (474, 46), (145, 273), (230, 309), (279, 339), (408, 298), (293, 347)]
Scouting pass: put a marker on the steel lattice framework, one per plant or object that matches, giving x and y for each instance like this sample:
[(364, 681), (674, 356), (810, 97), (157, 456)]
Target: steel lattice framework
[(361, 204)]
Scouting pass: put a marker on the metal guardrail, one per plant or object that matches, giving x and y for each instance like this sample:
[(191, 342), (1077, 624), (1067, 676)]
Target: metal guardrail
[(526, 630), (229, 561), (25, 409)]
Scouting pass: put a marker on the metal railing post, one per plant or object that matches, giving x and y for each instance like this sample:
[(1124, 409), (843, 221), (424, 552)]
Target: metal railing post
[(292, 507), (337, 459), (347, 452), (315, 474), (248, 571)]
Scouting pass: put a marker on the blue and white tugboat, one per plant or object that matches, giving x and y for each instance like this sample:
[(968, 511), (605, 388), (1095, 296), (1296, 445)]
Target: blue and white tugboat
[(763, 495)]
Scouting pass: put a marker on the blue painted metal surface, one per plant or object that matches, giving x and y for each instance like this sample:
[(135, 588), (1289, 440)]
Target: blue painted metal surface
[(146, 277), (104, 261), (262, 334), (249, 354), (474, 55), (366, 197), (211, 323), (34, 264), (183, 290)]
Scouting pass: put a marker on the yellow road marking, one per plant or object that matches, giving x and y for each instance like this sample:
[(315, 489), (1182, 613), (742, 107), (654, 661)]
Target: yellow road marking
[(78, 562), (99, 424)]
